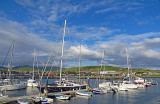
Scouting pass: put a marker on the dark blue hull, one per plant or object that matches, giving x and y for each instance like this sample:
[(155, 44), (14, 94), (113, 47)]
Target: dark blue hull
[(52, 89)]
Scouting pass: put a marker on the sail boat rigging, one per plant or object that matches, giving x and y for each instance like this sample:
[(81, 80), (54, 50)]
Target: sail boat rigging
[(127, 81), (61, 85), (127, 56), (104, 84), (9, 83), (80, 64), (32, 82), (62, 53)]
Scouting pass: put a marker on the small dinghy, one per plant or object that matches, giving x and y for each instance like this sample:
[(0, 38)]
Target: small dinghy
[(23, 101), (99, 91), (3, 94), (62, 97), (82, 93), (43, 100), (153, 82)]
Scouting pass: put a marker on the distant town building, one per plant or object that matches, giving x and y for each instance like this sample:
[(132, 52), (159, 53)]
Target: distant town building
[(108, 72)]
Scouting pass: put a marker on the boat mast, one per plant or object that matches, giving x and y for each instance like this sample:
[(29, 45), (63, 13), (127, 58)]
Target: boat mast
[(0, 76), (103, 57), (37, 65), (62, 52), (34, 54), (79, 63), (127, 56)]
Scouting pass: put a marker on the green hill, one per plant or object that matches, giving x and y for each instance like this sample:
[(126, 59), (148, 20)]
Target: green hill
[(88, 69), (95, 69), (26, 69)]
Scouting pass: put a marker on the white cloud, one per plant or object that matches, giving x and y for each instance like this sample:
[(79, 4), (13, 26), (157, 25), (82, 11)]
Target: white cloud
[(149, 43), (25, 2), (38, 23), (53, 16), (144, 52), (143, 22), (134, 37), (86, 53), (25, 42), (107, 10), (91, 33)]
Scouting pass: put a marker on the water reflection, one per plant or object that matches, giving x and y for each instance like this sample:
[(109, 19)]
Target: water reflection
[(32, 91)]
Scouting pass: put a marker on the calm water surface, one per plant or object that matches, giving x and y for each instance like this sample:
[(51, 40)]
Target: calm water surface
[(150, 95)]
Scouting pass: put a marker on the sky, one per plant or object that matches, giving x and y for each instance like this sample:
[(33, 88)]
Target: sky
[(93, 25)]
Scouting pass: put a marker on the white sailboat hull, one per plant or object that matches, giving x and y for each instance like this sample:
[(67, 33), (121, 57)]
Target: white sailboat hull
[(130, 86), (122, 89), (82, 93), (13, 87), (32, 83), (105, 84)]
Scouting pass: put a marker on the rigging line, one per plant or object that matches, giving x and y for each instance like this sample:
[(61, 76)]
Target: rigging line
[(37, 65), (54, 61), (11, 58), (8, 53), (50, 55), (12, 54)]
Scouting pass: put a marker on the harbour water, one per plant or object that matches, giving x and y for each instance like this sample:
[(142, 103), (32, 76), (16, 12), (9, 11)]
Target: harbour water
[(148, 95)]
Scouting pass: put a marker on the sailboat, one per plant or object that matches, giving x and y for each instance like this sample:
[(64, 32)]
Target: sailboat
[(127, 80), (9, 83), (99, 90), (32, 82), (62, 85), (106, 86), (80, 92)]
